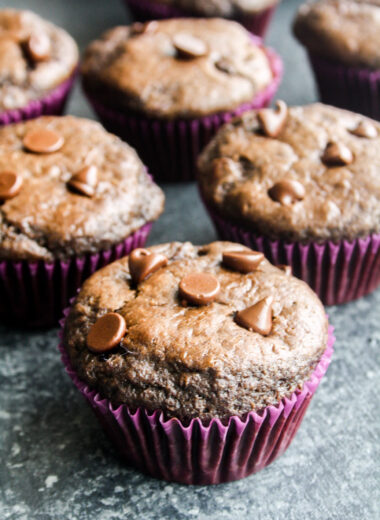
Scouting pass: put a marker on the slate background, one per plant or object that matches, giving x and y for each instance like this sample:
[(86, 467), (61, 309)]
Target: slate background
[(56, 464)]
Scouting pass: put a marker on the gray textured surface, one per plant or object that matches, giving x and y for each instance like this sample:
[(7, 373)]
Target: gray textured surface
[(56, 462)]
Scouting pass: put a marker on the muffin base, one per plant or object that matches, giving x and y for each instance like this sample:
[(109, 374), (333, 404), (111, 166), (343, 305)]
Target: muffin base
[(143, 10), (202, 452), (33, 294), (352, 88), (170, 147), (53, 104), (338, 272)]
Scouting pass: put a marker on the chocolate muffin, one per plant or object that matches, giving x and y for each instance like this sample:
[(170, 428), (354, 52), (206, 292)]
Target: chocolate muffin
[(37, 64), (306, 176), (253, 14), (342, 38), (68, 190), (203, 333), (165, 86)]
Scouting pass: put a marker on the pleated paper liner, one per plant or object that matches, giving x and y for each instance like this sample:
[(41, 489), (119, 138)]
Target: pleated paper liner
[(144, 10), (352, 88), (34, 294), (52, 104), (202, 452), (338, 272), (170, 148)]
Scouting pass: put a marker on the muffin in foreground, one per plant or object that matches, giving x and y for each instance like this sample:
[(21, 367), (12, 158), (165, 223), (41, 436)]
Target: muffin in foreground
[(72, 198), (342, 38), (166, 87), (37, 66), (302, 185), (199, 361), (254, 15)]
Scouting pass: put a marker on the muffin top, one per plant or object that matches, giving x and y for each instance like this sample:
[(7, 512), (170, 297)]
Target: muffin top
[(195, 331), (344, 30), (176, 68), (219, 7), (68, 187), (35, 57), (303, 173)]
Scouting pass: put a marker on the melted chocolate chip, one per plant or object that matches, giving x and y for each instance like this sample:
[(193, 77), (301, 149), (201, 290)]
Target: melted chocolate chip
[(242, 261), (138, 28), (84, 181), (106, 333), (199, 288), (272, 121), (287, 192), (43, 140), (188, 46), (337, 154), (365, 129), (10, 185), (258, 317), (143, 263), (286, 268)]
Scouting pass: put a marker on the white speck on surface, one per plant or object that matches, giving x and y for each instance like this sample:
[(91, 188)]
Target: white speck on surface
[(15, 450), (50, 481)]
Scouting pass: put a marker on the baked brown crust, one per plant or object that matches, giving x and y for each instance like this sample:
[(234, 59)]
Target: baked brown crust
[(46, 219), (347, 31), (241, 165), (142, 72), (22, 79), (219, 7), (196, 361)]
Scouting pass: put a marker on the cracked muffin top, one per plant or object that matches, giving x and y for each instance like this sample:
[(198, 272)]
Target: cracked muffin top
[(219, 7), (205, 331), (35, 57), (176, 68), (344, 30), (303, 173), (68, 187)]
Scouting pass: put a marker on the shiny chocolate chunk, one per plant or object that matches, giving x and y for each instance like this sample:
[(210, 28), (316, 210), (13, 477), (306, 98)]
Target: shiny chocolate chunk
[(242, 261), (38, 47), (365, 129), (272, 121), (143, 263), (10, 185), (188, 46), (287, 192), (337, 154), (258, 317), (286, 268), (84, 181), (199, 288), (106, 333), (43, 140)]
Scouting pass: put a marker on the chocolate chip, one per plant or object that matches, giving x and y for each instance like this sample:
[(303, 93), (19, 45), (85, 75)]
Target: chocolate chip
[(10, 185), (365, 129), (337, 154), (272, 121), (106, 333), (188, 46), (84, 181), (38, 47), (287, 192), (138, 28), (43, 140), (286, 268), (258, 317), (143, 263), (242, 261), (224, 65), (199, 288)]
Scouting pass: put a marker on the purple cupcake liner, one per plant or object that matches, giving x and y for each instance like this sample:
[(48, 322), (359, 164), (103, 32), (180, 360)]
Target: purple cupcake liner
[(352, 88), (170, 147), (33, 294), (338, 272), (202, 452), (53, 104), (143, 10)]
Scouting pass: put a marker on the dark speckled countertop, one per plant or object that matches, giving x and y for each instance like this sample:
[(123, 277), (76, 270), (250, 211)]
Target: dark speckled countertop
[(57, 464)]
